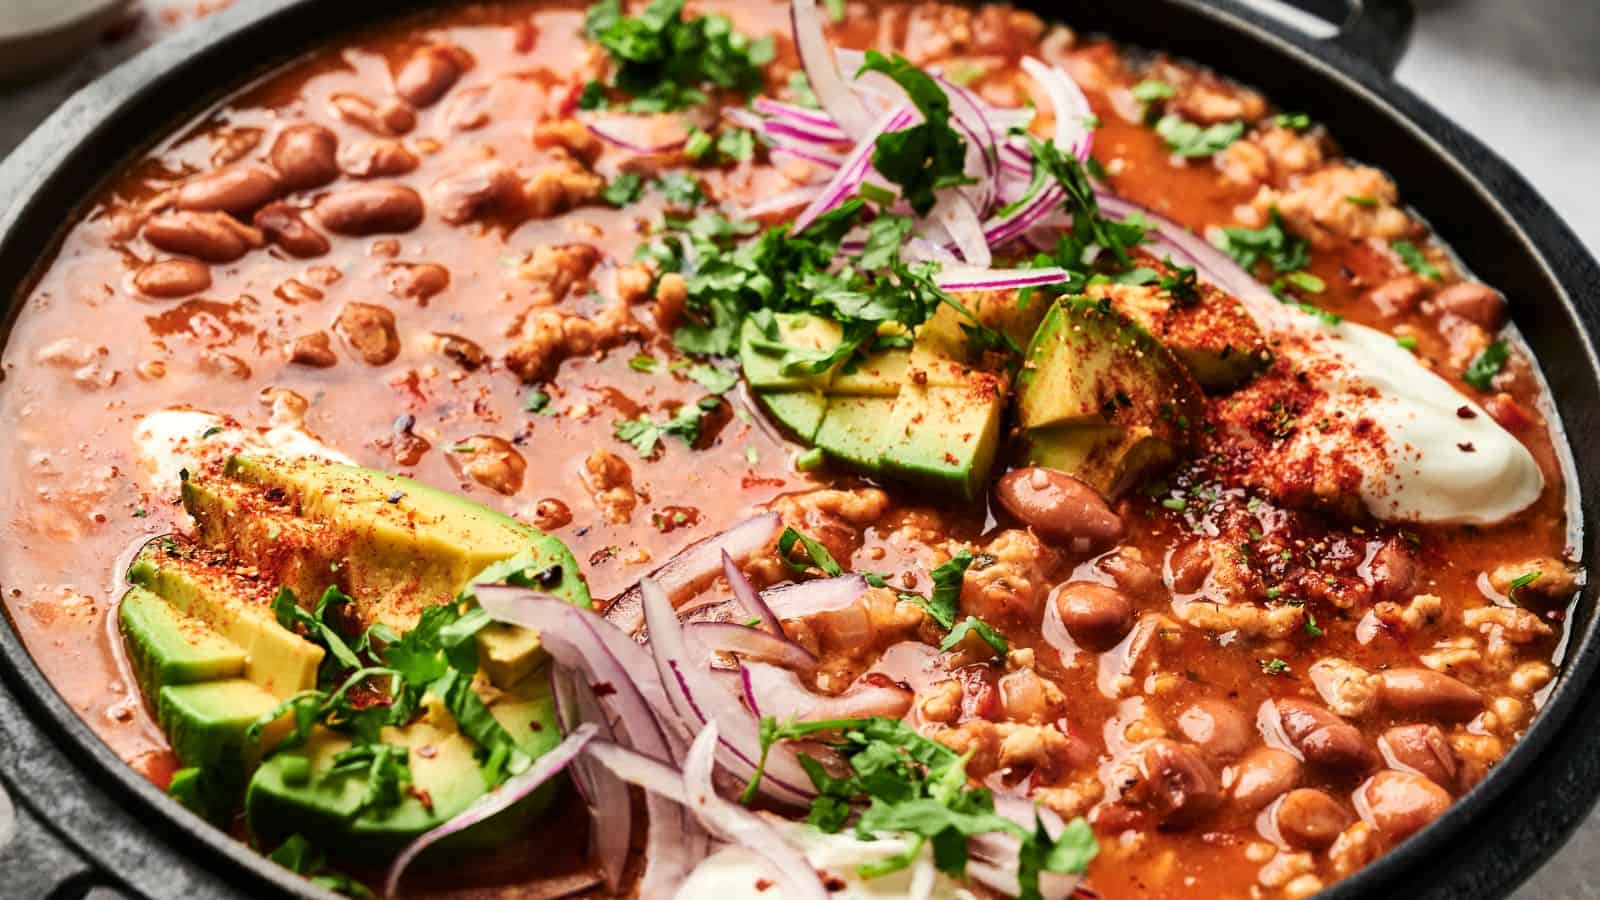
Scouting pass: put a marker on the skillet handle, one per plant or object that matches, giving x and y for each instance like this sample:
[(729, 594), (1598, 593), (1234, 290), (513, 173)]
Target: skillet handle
[(36, 864), (1374, 31)]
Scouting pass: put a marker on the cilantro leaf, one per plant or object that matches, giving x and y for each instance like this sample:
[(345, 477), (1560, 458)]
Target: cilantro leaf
[(1415, 261), (945, 603), (713, 379), (816, 554), (1187, 139), (666, 62), (927, 156), (645, 433), (680, 190), (1520, 582), (1248, 246), (1480, 373), (624, 189), (973, 624), (1153, 91)]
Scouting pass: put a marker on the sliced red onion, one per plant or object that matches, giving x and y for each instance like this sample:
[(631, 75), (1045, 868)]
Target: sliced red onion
[(790, 133), (771, 691), (674, 842), (736, 825), (746, 594), (694, 566), (744, 118), (841, 103), (637, 134), (543, 769), (750, 643), (610, 807), (954, 211), (820, 158), (1209, 262), (777, 109), (779, 203), (699, 700), (640, 770), (968, 278), (1068, 104), (853, 169), (924, 249), (809, 598)]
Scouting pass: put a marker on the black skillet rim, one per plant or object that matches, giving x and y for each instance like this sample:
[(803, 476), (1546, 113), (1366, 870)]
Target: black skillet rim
[(1554, 765)]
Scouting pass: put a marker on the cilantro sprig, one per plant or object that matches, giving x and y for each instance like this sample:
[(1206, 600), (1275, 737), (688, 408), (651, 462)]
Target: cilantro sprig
[(928, 156), (1487, 364), (916, 786), (665, 62), (645, 433)]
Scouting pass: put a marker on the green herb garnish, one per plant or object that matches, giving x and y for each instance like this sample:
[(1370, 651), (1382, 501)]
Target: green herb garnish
[(1480, 373)]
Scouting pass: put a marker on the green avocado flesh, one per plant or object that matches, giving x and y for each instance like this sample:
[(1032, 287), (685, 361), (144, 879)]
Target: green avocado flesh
[(1101, 399), (211, 657), (1098, 396), (927, 415)]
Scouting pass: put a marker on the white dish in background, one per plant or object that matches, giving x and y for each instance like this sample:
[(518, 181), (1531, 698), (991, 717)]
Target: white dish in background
[(34, 33)]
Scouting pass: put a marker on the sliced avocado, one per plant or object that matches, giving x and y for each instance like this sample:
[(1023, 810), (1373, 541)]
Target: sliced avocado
[(206, 722), (761, 355), (1100, 396), (446, 778), (945, 436), (799, 411), (204, 591), (170, 647), (1109, 459), (855, 430), (878, 375), (1209, 331), (396, 545)]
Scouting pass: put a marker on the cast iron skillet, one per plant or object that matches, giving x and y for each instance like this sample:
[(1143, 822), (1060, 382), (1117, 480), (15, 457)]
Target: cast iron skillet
[(86, 819)]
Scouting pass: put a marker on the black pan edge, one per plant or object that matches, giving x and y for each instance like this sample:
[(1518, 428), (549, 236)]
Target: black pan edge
[(1489, 841)]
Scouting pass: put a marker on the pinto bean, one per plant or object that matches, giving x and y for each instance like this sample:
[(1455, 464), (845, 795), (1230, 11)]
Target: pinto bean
[(1095, 615), (306, 156), (235, 189), (1394, 572), (378, 159), (1423, 749), (1263, 775), (169, 278), (283, 225), (1323, 738), (370, 332), (416, 281), (1190, 565), (371, 209), (474, 192), (467, 354), (428, 74), (492, 462), (1400, 803), (1309, 819), (1398, 296), (1218, 728), (1058, 506), (1424, 692), (1175, 783), (1474, 301), (390, 117), (212, 236), (313, 350)]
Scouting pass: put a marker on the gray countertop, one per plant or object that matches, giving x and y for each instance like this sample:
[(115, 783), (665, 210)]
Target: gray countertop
[(1524, 75)]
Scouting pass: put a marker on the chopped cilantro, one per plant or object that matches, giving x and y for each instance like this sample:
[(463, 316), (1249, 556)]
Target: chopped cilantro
[(645, 433), (1176, 504), (973, 624), (1274, 667), (1520, 582), (1407, 342), (751, 455), (1248, 246), (1153, 91), (1183, 285), (697, 145), (680, 190), (713, 379), (624, 189), (896, 780), (1293, 121), (1186, 139), (1311, 625), (593, 95), (945, 602), (1414, 260), (665, 62), (1480, 373), (736, 144), (1361, 200), (816, 555), (927, 156), (299, 856), (1301, 280), (643, 362), (537, 402)]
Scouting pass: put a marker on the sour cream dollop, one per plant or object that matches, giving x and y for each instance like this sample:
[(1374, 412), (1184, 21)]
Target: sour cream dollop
[(736, 873), (1433, 455), (172, 440)]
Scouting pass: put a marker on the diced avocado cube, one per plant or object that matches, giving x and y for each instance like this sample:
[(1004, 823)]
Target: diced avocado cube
[(234, 609), (169, 647), (798, 411), (945, 436), (206, 722), (1209, 332), (939, 353), (855, 430), (877, 375), (1107, 458), (762, 356)]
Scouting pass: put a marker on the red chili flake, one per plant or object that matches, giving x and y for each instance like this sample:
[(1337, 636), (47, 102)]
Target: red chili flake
[(1466, 447), (604, 689), (1466, 412), (763, 883), (834, 883)]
